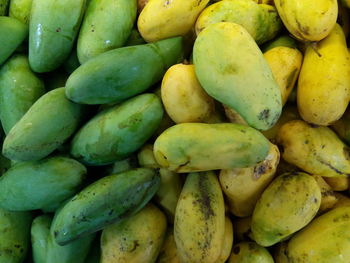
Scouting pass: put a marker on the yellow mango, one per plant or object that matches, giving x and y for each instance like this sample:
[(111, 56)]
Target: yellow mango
[(314, 149), (338, 183), (168, 253), (342, 126), (228, 242), (308, 20), (324, 83), (343, 200), (183, 97), (244, 186), (285, 64), (161, 19), (328, 199)]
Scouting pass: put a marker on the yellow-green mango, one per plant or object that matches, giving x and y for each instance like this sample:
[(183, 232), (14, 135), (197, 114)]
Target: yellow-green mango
[(138, 238), (250, 252), (227, 243), (314, 149), (280, 41), (260, 20), (161, 19), (231, 68), (20, 9), (40, 232), (189, 147), (308, 20), (287, 205), (106, 25), (326, 239)]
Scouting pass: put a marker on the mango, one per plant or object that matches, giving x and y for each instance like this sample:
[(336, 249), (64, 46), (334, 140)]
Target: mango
[(40, 232), (342, 127), (122, 73), (280, 41), (228, 242), (168, 252), (20, 9), (189, 147), (328, 199), (250, 252), (134, 38), (242, 228), (338, 183), (231, 68)]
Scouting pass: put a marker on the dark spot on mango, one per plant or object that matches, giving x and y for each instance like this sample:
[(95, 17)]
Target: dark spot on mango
[(236, 250), (58, 29), (264, 115)]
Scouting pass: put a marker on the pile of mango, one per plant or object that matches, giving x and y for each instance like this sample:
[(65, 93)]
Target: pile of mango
[(174, 131)]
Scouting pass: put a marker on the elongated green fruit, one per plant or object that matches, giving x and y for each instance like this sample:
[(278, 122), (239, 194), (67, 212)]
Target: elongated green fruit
[(44, 127), (41, 184), (115, 133), (40, 232), (15, 235), (52, 30), (12, 34), (20, 9), (19, 89), (108, 200), (190, 147), (122, 73), (107, 25)]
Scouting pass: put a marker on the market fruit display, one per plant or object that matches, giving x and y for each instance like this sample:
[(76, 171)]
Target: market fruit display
[(174, 131)]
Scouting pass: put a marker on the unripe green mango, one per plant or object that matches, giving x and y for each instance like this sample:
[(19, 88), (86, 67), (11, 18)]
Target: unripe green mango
[(231, 68), (52, 30), (15, 235), (3, 7), (108, 200), (20, 9), (250, 252), (39, 235), (12, 34), (45, 126), (190, 147), (287, 205), (106, 25), (19, 89), (117, 132), (123, 72), (43, 184)]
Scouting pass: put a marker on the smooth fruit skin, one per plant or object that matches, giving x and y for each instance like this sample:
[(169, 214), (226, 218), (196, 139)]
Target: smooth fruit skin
[(168, 252), (53, 27), (231, 69), (40, 232), (250, 252), (20, 9)]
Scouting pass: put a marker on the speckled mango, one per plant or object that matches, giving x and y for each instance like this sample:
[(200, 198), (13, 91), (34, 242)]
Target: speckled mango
[(260, 20), (231, 68), (19, 89), (107, 200), (44, 127), (250, 252), (117, 132), (53, 28), (41, 184), (107, 25), (308, 20), (122, 72), (137, 239), (40, 231), (287, 205), (314, 149), (189, 147), (20, 9)]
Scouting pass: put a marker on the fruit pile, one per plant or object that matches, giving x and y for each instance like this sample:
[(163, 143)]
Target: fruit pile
[(174, 131)]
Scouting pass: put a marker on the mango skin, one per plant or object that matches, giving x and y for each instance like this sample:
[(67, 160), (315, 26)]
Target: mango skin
[(20, 9), (40, 231), (15, 235), (250, 252), (107, 25), (309, 246), (228, 242), (309, 20), (342, 127), (137, 239), (163, 19), (314, 149), (19, 89), (280, 41), (189, 147), (42, 184), (287, 205), (107, 200), (260, 20), (168, 252), (12, 34), (117, 132), (123, 72), (52, 30), (231, 68), (28, 141)]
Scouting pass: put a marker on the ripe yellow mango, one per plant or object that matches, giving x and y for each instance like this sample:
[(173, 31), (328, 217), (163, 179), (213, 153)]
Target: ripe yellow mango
[(328, 199), (338, 183)]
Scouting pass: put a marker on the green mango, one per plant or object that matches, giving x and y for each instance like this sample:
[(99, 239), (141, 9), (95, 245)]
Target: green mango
[(12, 34), (107, 200), (281, 41), (43, 184), (20, 9), (52, 30), (123, 72), (40, 232), (117, 132), (231, 68), (45, 126), (106, 26), (3, 7), (135, 38), (250, 252), (19, 89), (287, 205), (15, 236), (190, 147)]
